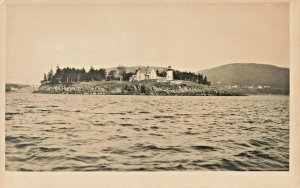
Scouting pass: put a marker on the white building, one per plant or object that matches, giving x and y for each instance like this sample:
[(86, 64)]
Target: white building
[(169, 73), (150, 74)]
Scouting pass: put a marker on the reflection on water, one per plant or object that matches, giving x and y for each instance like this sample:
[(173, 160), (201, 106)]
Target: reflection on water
[(151, 133)]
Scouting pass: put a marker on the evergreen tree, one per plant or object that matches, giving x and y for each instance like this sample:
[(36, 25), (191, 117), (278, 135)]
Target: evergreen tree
[(45, 79), (112, 75), (205, 80), (50, 76)]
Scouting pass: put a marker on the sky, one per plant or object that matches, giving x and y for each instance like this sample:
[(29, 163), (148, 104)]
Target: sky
[(187, 36)]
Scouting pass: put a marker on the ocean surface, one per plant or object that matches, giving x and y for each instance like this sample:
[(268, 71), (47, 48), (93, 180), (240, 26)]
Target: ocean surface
[(47, 132)]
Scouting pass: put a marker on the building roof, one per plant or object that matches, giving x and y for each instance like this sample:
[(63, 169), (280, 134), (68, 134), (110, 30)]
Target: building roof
[(146, 70)]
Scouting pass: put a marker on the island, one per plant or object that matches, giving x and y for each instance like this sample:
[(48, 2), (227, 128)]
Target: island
[(122, 81)]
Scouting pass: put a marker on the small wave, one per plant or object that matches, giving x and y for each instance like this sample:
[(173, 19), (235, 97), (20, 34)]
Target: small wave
[(126, 124), (30, 106), (16, 126), (190, 133), (169, 168), (46, 158), (137, 129), (144, 112), (153, 134), (45, 110), (52, 106), (139, 169), (8, 118), (59, 168), (248, 121), (117, 113), (99, 124), (138, 156), (253, 154), (65, 128), (12, 113), (120, 152), (156, 148), (196, 162), (204, 148), (183, 114), (268, 121), (87, 159), (224, 164), (113, 138), (242, 144), (61, 123), (44, 149), (158, 117), (24, 169), (21, 146), (40, 123), (14, 139), (180, 167), (231, 165), (120, 136), (258, 143)]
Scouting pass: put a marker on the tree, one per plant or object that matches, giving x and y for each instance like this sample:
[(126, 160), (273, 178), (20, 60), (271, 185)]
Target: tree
[(127, 76), (50, 76), (82, 74), (161, 74), (205, 80), (101, 74), (91, 74), (58, 75), (45, 79), (200, 78), (112, 75), (121, 71)]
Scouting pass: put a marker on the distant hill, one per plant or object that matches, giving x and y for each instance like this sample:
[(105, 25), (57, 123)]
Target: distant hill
[(20, 88), (249, 74)]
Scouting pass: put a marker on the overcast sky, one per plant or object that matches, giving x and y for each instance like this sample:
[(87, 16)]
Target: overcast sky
[(189, 37)]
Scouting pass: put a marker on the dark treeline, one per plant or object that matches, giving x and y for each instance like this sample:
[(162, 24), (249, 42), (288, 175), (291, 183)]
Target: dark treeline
[(68, 75), (188, 76)]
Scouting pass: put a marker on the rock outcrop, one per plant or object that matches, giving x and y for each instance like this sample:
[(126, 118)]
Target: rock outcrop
[(183, 88)]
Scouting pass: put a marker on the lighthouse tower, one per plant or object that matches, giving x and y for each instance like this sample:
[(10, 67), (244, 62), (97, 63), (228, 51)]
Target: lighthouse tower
[(169, 73)]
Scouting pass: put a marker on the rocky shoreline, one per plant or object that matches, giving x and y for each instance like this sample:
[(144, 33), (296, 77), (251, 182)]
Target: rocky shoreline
[(183, 88)]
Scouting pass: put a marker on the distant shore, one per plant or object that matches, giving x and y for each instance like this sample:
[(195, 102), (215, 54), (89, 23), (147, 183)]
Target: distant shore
[(173, 88)]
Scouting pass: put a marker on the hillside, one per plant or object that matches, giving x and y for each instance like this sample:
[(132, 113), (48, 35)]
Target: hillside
[(249, 74)]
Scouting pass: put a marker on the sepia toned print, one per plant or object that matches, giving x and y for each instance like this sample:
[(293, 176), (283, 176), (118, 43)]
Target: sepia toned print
[(147, 87)]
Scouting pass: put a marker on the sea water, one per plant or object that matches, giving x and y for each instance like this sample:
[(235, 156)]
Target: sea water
[(47, 132)]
